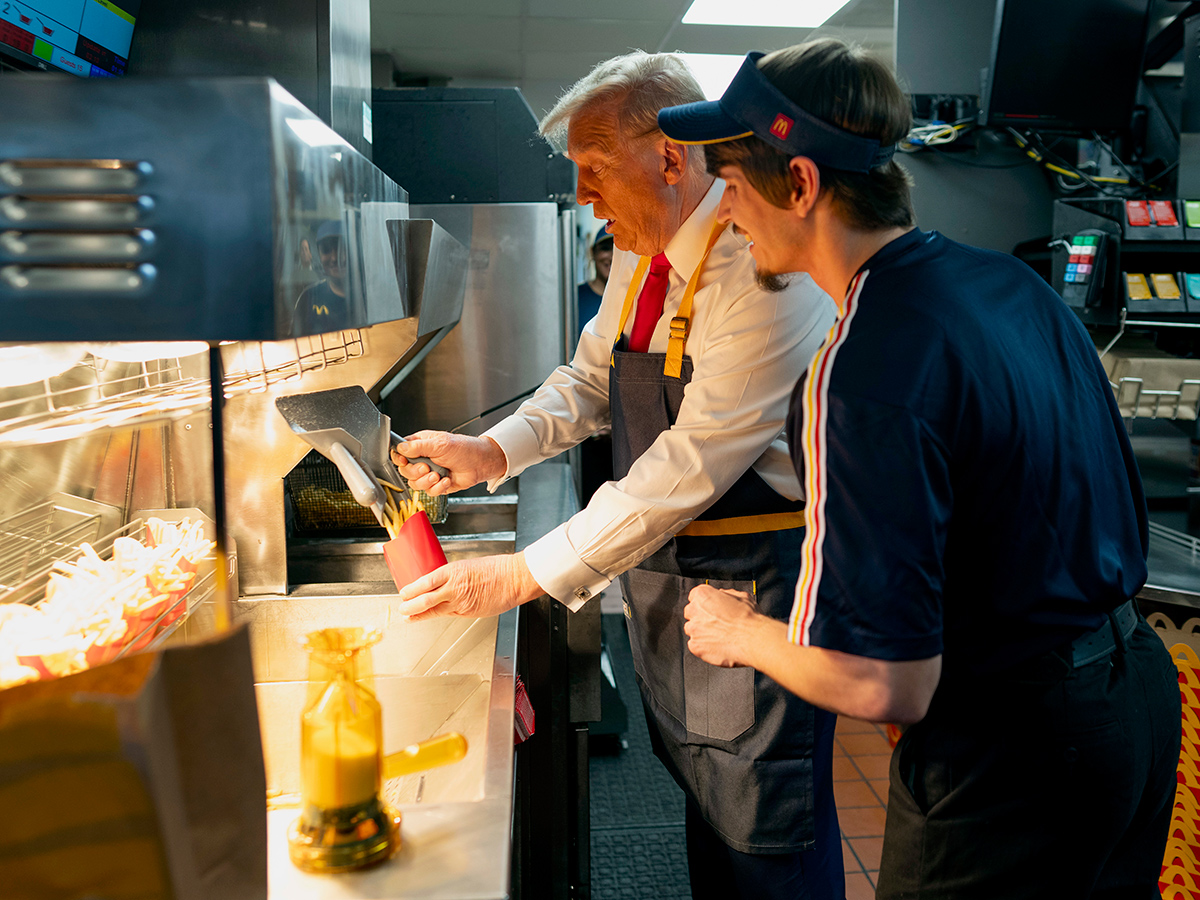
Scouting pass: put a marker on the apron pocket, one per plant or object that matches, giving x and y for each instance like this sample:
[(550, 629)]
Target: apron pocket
[(712, 703), (655, 618), (719, 702)]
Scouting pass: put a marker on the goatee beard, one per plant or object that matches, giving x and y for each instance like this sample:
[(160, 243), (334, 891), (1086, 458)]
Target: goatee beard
[(772, 282)]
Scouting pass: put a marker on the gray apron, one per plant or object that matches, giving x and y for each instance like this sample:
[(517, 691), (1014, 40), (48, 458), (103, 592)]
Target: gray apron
[(738, 744)]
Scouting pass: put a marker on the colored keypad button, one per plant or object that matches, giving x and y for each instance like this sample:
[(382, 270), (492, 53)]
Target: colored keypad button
[(1069, 278), (1085, 269), (1072, 267), (1193, 281), (1135, 284), (1089, 250), (1164, 213), (1165, 286), (1191, 214), (1137, 213)]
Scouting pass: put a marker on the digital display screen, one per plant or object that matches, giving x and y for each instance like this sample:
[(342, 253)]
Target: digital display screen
[(88, 38), (1069, 65)]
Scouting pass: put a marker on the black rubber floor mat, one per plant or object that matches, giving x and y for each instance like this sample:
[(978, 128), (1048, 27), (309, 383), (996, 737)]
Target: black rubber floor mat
[(637, 809)]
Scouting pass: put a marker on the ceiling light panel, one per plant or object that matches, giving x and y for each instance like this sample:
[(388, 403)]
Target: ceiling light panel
[(778, 13), (713, 71)]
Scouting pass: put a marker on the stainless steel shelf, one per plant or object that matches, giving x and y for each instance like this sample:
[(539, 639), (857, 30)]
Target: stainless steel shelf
[(1174, 562)]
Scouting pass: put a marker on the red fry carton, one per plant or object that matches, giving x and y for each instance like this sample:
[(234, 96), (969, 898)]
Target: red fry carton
[(414, 552)]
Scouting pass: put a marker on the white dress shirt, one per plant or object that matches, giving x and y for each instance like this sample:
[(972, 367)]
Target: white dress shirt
[(748, 347)]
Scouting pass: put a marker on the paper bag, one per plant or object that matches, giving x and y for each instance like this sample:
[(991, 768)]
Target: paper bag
[(138, 779)]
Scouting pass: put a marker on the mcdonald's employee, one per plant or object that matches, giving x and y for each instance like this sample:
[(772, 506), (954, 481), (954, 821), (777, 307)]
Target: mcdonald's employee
[(322, 307), (976, 522), (692, 361)]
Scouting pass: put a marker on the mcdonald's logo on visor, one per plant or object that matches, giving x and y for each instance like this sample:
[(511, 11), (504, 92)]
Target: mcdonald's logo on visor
[(782, 126)]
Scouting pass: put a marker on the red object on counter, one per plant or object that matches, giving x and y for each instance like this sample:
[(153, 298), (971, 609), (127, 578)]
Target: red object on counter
[(414, 552), (523, 721)]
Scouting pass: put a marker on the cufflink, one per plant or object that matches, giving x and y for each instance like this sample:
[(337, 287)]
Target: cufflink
[(583, 594)]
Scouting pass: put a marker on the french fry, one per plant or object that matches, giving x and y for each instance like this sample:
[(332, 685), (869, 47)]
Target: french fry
[(96, 608)]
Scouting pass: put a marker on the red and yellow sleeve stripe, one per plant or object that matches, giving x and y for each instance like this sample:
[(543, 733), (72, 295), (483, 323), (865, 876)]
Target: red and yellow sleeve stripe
[(814, 406)]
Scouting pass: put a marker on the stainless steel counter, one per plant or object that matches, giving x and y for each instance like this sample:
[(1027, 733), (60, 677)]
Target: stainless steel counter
[(457, 821), (431, 677)]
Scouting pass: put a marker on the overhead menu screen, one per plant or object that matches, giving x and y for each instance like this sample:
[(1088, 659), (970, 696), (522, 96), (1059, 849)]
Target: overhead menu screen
[(86, 37)]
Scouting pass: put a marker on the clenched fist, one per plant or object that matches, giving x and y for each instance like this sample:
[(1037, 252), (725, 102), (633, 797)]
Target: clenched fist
[(719, 625)]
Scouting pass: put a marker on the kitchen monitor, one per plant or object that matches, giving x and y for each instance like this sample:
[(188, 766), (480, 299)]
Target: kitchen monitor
[(89, 38), (1068, 66)]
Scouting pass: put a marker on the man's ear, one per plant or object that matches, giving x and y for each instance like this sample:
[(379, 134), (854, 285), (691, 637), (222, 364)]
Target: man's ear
[(674, 161), (806, 183)]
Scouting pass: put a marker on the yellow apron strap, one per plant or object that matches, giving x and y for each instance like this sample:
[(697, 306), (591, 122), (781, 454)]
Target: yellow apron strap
[(630, 295), (681, 324), (744, 524)]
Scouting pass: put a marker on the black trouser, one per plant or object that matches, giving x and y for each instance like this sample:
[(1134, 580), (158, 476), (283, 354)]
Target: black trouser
[(1060, 789)]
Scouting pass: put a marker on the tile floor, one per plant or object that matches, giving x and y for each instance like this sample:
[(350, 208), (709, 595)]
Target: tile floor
[(861, 755)]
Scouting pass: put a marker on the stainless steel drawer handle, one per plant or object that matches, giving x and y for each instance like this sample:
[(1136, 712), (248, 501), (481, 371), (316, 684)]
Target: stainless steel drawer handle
[(77, 211), (36, 279), (78, 175), (68, 246)]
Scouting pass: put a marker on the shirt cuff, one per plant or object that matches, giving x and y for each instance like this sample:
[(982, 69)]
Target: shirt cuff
[(519, 442), (555, 565)]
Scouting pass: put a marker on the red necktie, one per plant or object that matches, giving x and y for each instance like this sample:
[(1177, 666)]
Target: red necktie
[(650, 304)]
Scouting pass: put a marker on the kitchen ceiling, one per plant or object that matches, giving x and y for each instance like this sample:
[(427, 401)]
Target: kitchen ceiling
[(544, 46)]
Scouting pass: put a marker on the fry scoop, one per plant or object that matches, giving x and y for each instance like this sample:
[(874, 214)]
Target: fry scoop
[(357, 440)]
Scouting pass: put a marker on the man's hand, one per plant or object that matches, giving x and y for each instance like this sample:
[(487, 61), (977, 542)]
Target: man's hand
[(468, 460), (724, 629), (479, 588), (719, 625)]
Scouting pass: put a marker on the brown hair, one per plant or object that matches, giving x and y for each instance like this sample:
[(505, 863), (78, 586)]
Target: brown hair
[(843, 85)]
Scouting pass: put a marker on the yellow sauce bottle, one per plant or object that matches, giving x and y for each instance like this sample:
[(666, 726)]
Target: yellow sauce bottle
[(344, 825), (340, 763)]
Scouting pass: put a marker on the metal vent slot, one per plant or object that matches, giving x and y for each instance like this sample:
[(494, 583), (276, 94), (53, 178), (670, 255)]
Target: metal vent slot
[(67, 246), (89, 175), (120, 211), (110, 279)]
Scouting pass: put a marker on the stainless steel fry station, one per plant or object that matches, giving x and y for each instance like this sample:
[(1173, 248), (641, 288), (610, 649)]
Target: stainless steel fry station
[(179, 252)]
